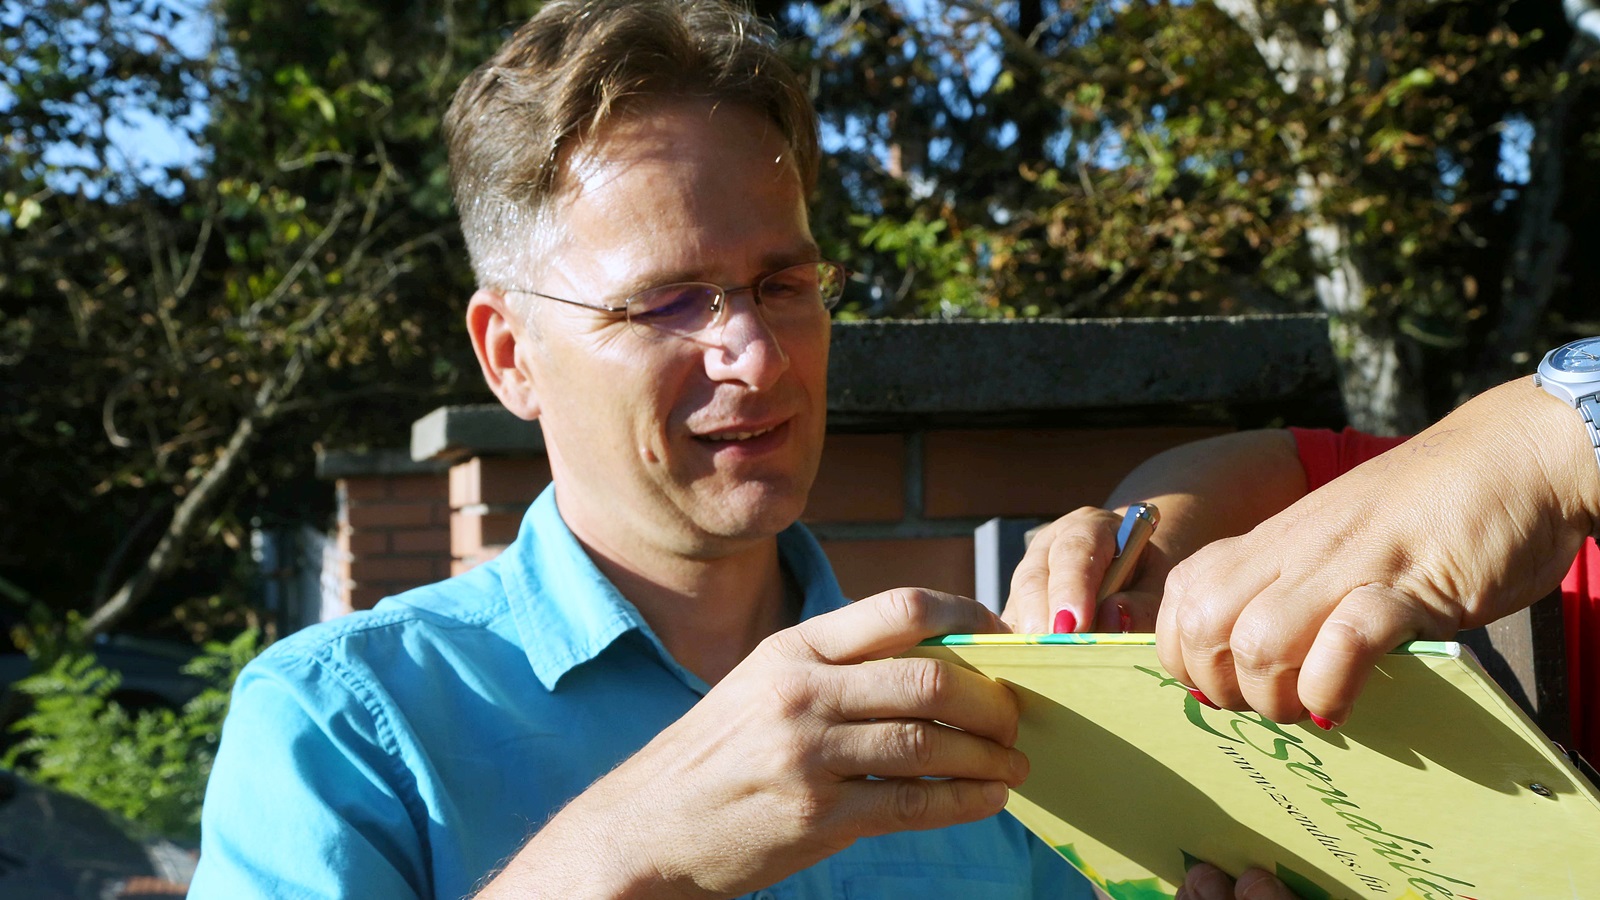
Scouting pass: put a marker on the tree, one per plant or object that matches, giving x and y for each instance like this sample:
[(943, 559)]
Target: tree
[(1224, 156), (300, 282)]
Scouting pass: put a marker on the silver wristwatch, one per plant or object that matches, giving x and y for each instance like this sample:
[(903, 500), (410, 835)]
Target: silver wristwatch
[(1571, 373)]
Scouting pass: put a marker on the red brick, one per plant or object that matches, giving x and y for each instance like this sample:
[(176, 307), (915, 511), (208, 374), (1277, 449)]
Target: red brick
[(420, 486), (869, 567), (861, 479), (362, 488), (389, 515), (984, 473), (410, 570), (498, 480), (471, 532), (428, 541), (365, 597), (364, 542)]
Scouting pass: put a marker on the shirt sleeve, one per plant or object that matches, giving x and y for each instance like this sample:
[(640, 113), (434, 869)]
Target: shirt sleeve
[(1325, 455), (303, 800), (1580, 596)]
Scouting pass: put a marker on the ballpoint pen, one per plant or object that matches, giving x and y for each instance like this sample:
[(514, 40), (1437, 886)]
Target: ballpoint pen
[(1137, 525)]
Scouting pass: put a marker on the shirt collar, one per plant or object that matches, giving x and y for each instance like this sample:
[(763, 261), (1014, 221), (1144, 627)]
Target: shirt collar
[(567, 612)]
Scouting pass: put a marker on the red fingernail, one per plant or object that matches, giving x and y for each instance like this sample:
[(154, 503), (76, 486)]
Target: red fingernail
[(1065, 622), (1324, 724), (1124, 621), (1202, 698)]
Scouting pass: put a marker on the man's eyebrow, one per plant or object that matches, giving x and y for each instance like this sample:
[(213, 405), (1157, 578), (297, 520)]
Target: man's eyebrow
[(800, 253), (771, 262)]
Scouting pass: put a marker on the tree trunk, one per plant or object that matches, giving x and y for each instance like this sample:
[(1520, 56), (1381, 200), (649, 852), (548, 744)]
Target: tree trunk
[(1381, 393)]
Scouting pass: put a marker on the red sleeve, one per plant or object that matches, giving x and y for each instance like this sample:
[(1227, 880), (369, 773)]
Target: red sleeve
[(1325, 455), (1580, 605)]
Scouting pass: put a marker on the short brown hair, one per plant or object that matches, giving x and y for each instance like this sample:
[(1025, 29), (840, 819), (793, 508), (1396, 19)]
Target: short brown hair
[(573, 67)]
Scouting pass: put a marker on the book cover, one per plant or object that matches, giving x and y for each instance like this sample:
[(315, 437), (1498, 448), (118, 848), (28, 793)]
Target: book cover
[(1437, 787)]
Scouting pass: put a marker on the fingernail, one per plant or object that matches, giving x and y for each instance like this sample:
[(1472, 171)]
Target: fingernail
[(1065, 622), (1124, 621), (996, 792), (1020, 767), (1202, 698), (1324, 724)]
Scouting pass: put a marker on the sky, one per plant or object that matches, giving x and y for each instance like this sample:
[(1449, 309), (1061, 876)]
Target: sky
[(144, 143), (148, 144)]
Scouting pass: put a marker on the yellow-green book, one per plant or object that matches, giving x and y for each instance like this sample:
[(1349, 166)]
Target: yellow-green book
[(1437, 787)]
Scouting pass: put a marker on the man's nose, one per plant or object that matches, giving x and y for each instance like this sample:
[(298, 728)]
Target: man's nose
[(743, 346)]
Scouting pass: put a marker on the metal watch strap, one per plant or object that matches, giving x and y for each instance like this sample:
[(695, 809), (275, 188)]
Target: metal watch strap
[(1589, 408)]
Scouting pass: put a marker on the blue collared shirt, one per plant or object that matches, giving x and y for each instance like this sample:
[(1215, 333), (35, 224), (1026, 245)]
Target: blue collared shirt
[(410, 750)]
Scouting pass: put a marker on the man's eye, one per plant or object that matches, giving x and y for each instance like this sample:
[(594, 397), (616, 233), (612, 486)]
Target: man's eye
[(671, 302), (790, 284)]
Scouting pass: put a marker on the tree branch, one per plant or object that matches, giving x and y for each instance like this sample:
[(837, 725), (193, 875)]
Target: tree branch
[(185, 519)]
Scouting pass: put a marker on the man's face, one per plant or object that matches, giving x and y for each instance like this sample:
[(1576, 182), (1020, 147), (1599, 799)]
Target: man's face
[(691, 446)]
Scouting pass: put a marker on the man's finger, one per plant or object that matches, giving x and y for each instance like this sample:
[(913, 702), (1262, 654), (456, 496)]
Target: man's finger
[(922, 688), (885, 624), (916, 748), (1203, 881), (917, 804)]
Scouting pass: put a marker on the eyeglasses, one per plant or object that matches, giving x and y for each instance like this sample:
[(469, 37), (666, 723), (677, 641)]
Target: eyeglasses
[(685, 309)]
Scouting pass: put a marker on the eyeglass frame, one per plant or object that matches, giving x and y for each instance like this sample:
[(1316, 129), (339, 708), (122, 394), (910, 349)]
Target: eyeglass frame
[(718, 304)]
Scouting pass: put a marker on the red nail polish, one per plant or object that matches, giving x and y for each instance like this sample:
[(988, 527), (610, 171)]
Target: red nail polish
[(1065, 622), (1202, 698), (1324, 724), (1124, 621)]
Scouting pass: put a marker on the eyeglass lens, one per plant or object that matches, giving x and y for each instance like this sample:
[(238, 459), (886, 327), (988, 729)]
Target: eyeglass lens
[(784, 295)]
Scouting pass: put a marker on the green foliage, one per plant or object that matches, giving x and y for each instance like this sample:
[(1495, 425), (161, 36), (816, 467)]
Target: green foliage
[(299, 286), (149, 765), (1113, 158)]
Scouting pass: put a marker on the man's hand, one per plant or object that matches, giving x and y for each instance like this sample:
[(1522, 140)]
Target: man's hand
[(816, 739), (1207, 882), (1469, 521)]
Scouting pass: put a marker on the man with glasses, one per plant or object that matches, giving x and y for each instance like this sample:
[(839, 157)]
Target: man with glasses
[(658, 689)]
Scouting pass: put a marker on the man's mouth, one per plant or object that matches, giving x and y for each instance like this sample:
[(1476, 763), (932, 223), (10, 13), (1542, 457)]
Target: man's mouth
[(737, 435)]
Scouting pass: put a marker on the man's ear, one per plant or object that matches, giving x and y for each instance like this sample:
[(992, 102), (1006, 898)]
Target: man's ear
[(495, 332)]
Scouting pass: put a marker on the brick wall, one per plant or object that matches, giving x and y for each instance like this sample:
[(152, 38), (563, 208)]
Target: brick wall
[(393, 534), (900, 509), (488, 496)]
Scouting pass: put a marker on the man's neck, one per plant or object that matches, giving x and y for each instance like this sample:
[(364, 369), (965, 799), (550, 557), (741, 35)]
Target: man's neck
[(709, 613)]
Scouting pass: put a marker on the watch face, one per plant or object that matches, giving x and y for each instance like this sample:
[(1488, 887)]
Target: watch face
[(1578, 357)]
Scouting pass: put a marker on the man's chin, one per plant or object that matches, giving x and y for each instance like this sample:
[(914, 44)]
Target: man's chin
[(750, 513)]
